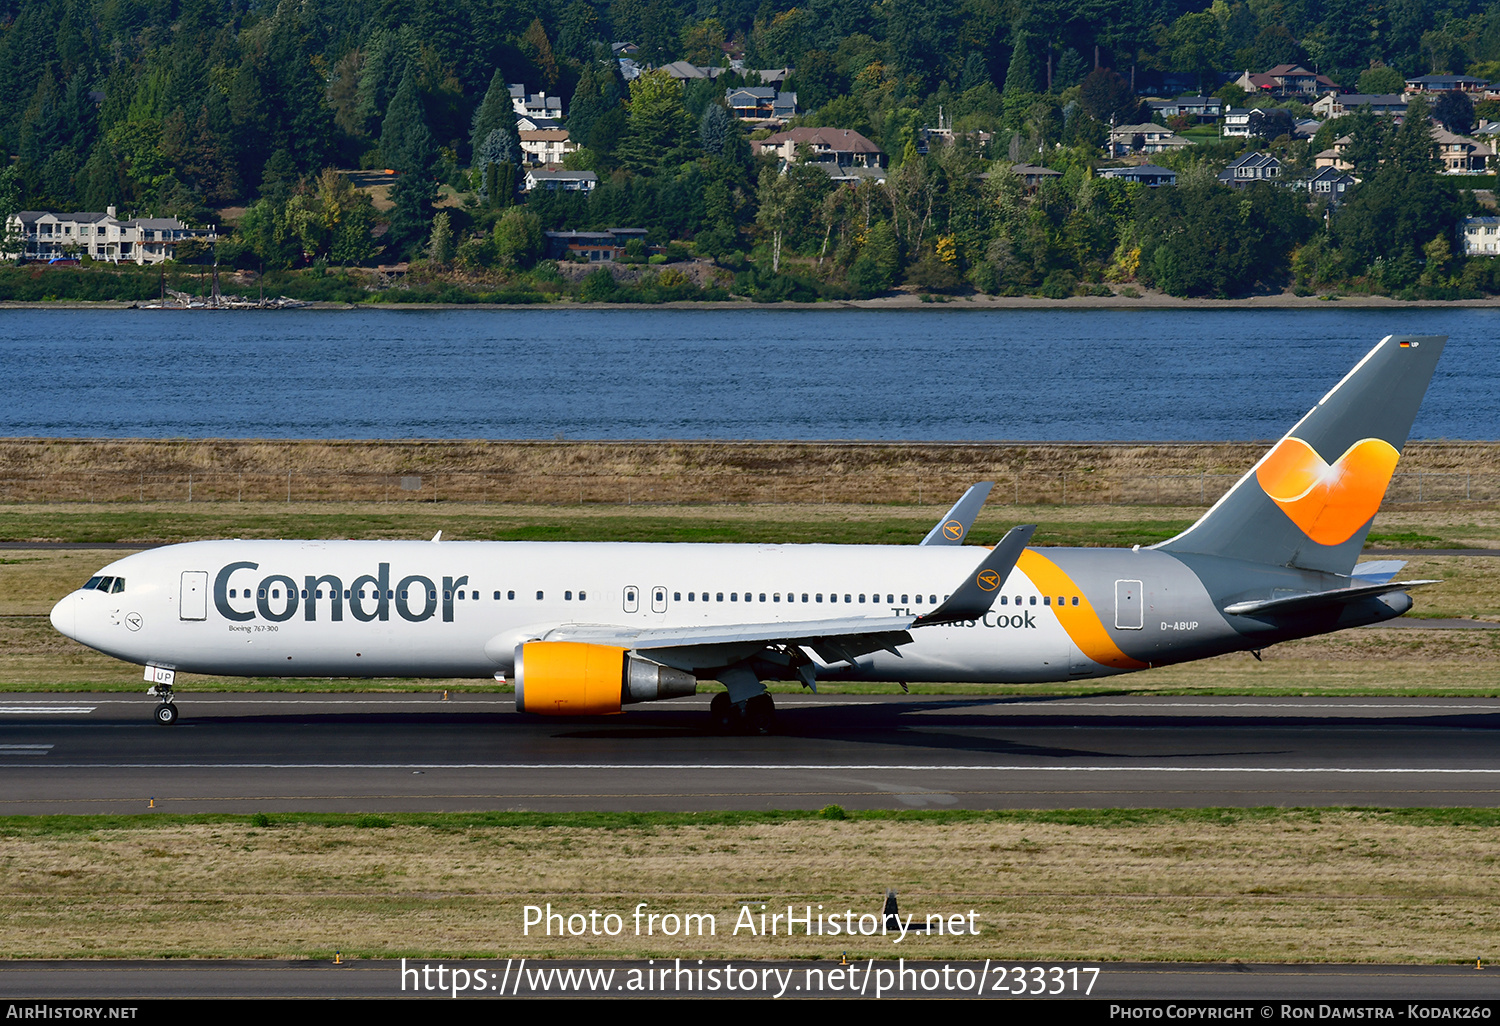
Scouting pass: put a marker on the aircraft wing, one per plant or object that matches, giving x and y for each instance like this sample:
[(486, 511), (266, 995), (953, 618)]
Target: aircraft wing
[(954, 526), (834, 639)]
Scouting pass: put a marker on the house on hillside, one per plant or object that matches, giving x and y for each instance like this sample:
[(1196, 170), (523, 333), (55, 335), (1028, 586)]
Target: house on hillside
[(1200, 108), (1147, 138), (1286, 80), (1335, 105), (1328, 183), (559, 180), (1460, 154), (596, 247), (546, 146), (44, 235), (685, 70), (1480, 236), (1249, 168), (1149, 175), (761, 103), (840, 146), (1446, 84), (537, 105)]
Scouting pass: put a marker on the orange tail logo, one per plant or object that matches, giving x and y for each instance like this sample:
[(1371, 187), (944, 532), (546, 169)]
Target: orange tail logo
[(1328, 502)]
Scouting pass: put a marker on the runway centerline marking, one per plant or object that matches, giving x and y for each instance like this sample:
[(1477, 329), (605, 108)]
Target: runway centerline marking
[(31, 710)]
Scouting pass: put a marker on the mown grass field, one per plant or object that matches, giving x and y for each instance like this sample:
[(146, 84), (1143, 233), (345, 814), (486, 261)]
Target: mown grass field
[(1271, 885)]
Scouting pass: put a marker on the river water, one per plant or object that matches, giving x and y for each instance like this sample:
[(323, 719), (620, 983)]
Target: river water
[(921, 375)]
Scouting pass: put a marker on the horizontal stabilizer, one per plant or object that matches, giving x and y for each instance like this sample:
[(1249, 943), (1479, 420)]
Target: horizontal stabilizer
[(1318, 599)]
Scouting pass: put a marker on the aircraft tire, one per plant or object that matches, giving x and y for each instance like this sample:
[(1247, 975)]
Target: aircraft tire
[(722, 712), (166, 714), (760, 715)]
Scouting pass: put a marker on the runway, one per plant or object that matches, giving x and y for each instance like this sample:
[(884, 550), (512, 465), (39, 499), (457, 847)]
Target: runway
[(77, 753)]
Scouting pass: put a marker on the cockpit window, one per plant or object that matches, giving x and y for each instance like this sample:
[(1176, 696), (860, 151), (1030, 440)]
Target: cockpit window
[(93, 583), (119, 585)]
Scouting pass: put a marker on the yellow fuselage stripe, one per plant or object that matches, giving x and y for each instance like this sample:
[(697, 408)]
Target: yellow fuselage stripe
[(1081, 621)]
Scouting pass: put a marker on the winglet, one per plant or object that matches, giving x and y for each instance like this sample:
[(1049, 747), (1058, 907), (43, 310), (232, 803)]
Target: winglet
[(953, 528), (975, 596)]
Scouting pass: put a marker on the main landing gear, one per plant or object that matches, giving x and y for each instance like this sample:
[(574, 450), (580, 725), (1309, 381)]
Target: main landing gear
[(756, 715), (166, 709)]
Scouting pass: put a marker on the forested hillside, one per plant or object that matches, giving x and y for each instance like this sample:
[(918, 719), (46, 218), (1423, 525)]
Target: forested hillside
[(210, 110)]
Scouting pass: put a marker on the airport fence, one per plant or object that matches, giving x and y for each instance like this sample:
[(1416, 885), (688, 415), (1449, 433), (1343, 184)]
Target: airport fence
[(1073, 488)]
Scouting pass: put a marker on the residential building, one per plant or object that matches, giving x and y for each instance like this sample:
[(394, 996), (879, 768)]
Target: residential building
[(1334, 105), (1250, 168), (761, 103), (684, 70), (100, 236), (595, 247), (546, 146), (839, 146), (1149, 175), (1333, 157), (1329, 184), (1200, 108), (1286, 80), (1032, 174), (1480, 236), (1146, 138), (1445, 84), (1459, 154), (537, 105), (559, 180), (1244, 123)]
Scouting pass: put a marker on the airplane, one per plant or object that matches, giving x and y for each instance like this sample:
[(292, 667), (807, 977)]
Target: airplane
[(586, 628)]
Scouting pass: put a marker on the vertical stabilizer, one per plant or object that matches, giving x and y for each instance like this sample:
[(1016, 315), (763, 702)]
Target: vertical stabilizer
[(1309, 502)]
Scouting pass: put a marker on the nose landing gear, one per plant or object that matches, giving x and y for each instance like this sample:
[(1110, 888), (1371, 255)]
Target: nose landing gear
[(166, 709)]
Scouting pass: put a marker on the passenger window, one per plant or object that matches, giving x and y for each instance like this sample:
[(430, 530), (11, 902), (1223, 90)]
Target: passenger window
[(510, 595), (890, 599), (932, 599), (919, 600), (846, 598), (261, 593), (690, 596), (567, 596), (762, 596), (819, 596), (776, 597), (1033, 600), (903, 599), (719, 597), (1075, 600), (497, 596), (676, 596), (1002, 600), (734, 596), (861, 599), (1046, 600), (539, 596), (582, 595)]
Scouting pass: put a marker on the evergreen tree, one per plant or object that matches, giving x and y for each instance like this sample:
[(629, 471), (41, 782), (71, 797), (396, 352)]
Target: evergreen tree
[(714, 129), (1022, 75), (440, 244), (405, 141), (495, 113)]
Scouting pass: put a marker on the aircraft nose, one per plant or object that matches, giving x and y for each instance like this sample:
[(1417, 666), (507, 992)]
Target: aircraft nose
[(65, 616)]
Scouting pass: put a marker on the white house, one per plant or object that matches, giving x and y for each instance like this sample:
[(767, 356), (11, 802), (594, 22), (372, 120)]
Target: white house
[(101, 236), (1480, 236)]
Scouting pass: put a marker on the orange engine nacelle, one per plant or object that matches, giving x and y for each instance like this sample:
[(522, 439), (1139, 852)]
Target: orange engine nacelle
[(571, 678)]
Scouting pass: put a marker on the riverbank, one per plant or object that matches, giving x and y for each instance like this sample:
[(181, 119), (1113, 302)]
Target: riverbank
[(1147, 300)]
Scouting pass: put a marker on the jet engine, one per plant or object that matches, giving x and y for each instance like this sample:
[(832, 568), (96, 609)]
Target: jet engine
[(570, 678)]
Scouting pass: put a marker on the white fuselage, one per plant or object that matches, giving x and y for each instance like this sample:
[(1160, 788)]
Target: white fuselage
[(458, 609)]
